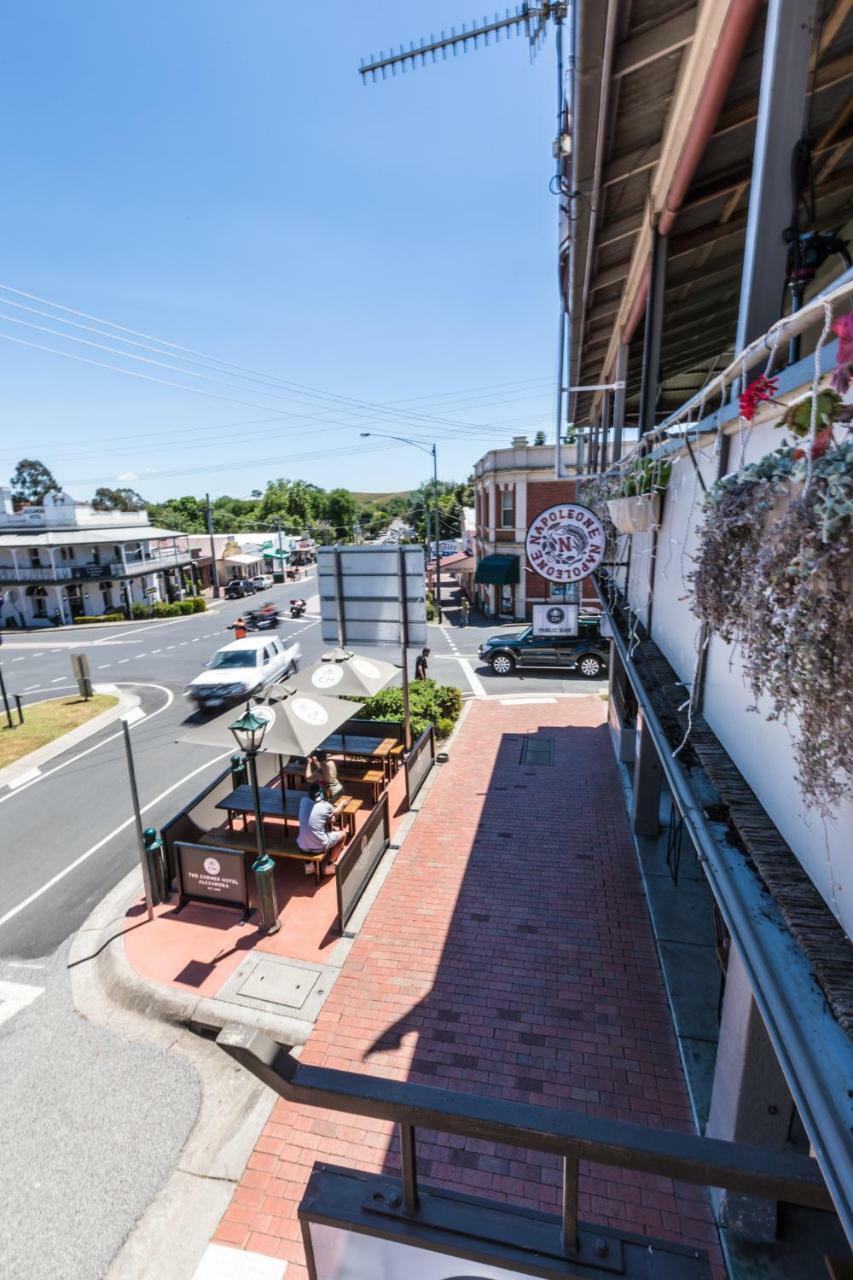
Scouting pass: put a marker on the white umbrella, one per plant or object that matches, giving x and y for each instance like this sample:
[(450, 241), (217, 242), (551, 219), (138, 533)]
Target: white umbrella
[(340, 672), (297, 722)]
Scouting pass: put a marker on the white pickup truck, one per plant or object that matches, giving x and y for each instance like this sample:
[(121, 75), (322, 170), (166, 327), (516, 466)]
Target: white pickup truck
[(242, 668)]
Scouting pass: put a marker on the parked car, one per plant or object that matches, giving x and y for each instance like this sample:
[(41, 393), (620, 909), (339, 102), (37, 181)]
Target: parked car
[(263, 582), (243, 668), (239, 587), (588, 652)]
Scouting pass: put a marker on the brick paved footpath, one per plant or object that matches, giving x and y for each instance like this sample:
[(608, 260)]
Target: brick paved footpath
[(509, 954)]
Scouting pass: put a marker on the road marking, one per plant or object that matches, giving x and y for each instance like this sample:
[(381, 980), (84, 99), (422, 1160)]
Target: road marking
[(156, 651), (58, 680), (72, 866), (134, 684), (104, 667), (31, 687), (29, 776), (473, 679), (183, 642), (40, 654), (121, 661), (171, 646), (17, 659), (134, 715), (56, 651), (15, 996), (196, 639)]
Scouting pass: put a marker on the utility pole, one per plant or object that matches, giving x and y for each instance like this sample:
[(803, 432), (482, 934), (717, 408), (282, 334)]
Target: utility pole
[(437, 534), (280, 550), (214, 569)]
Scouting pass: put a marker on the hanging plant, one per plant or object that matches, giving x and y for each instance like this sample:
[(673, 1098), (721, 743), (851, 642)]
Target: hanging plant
[(778, 577), (636, 508)]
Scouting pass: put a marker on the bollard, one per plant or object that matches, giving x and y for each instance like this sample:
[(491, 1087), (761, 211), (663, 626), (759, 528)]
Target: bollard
[(264, 869), (239, 775), (158, 874)]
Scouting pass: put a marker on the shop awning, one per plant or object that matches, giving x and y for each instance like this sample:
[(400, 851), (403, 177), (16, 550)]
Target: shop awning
[(244, 557), (500, 571)]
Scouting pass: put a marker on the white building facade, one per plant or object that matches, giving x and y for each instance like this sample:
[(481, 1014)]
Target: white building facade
[(64, 559)]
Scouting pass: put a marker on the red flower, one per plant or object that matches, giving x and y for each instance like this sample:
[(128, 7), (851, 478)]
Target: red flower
[(843, 373), (762, 389), (822, 441)]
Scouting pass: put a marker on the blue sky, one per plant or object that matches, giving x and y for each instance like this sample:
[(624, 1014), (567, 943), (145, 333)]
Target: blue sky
[(214, 174)]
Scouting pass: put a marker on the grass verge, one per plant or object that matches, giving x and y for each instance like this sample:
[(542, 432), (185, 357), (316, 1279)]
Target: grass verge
[(46, 721)]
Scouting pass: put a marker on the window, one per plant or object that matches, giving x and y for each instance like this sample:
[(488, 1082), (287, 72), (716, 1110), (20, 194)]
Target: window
[(235, 658), (507, 508), (568, 592)]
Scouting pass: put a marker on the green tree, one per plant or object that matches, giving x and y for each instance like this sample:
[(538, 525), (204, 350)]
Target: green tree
[(539, 438), (340, 512), (118, 500), (31, 480)]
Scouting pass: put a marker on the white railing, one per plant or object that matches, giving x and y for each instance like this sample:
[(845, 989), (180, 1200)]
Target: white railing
[(150, 563), (10, 574)]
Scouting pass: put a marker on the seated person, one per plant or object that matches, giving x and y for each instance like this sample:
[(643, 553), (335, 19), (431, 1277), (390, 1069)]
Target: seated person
[(315, 814), (322, 769)]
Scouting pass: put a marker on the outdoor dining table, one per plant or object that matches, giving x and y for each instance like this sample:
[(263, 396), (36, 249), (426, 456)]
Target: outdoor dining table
[(360, 746), (279, 804)]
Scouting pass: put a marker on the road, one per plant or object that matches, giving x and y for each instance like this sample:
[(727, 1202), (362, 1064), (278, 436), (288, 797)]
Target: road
[(86, 1112)]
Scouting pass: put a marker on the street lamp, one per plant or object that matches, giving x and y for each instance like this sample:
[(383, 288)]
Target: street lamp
[(431, 450), (249, 733)]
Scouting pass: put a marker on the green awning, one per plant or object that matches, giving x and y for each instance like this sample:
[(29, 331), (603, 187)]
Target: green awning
[(269, 554), (500, 571)]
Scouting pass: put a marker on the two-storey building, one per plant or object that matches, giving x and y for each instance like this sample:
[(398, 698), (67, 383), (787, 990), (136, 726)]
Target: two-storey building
[(64, 559)]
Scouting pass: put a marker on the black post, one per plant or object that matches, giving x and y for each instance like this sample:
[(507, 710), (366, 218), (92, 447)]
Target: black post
[(263, 866), (213, 569), (404, 619), (5, 699), (20, 711)]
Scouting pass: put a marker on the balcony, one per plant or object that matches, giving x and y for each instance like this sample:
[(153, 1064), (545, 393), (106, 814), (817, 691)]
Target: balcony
[(34, 574), (150, 563)]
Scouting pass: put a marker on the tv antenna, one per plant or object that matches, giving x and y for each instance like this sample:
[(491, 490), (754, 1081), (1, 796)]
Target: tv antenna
[(530, 20)]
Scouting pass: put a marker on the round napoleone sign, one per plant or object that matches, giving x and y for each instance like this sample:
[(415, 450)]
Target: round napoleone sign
[(565, 543)]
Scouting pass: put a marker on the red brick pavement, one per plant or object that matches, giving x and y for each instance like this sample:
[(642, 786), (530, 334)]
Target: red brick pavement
[(509, 953)]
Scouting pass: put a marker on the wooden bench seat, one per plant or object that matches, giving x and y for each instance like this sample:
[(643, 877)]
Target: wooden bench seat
[(276, 846)]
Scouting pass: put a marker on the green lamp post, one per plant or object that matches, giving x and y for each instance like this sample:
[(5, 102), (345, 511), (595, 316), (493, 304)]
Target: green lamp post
[(249, 733)]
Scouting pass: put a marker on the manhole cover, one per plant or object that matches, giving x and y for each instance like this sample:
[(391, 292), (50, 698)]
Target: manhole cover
[(283, 984), (537, 751)]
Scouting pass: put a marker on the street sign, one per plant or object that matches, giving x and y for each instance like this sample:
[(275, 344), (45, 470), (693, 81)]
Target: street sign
[(565, 543), (555, 619), (212, 875), (362, 595), (80, 671)]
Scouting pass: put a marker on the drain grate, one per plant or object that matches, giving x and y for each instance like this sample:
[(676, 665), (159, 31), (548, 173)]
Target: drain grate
[(536, 750)]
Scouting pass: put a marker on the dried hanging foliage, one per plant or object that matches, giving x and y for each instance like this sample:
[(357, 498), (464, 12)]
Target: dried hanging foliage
[(774, 571)]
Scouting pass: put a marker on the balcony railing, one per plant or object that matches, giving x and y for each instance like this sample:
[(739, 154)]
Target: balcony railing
[(91, 569)]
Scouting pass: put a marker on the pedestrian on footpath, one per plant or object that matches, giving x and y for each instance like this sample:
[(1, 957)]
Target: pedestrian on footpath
[(421, 664), (464, 611)]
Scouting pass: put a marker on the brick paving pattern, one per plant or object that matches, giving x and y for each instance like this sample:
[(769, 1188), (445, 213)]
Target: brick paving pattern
[(509, 953)]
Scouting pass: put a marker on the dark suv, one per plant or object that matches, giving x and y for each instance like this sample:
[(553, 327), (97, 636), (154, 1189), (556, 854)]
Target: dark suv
[(587, 652), (239, 587)]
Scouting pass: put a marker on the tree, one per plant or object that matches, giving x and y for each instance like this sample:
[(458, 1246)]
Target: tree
[(340, 512), (118, 500), (30, 482), (539, 438)]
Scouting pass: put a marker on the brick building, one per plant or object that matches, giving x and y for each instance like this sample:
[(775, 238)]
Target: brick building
[(512, 486)]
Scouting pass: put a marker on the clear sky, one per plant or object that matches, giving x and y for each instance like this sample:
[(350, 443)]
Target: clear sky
[(213, 173)]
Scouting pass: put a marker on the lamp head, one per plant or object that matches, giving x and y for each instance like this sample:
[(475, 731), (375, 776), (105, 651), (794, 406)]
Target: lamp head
[(249, 731)]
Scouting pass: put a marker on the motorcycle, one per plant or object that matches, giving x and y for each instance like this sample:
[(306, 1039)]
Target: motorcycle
[(262, 619), (297, 608)]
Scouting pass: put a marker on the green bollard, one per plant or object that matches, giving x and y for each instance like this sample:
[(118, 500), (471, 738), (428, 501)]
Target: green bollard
[(264, 869), (158, 874), (239, 774)]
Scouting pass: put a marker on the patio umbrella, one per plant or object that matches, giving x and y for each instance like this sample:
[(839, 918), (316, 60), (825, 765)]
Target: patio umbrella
[(297, 722), (340, 672)]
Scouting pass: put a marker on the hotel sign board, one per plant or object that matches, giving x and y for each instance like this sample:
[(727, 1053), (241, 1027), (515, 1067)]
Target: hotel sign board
[(565, 543)]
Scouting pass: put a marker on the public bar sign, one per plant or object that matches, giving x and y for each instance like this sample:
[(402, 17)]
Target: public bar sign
[(565, 543), (555, 619), (212, 875)]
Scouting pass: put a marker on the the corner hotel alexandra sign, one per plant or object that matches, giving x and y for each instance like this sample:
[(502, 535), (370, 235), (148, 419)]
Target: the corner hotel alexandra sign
[(565, 543)]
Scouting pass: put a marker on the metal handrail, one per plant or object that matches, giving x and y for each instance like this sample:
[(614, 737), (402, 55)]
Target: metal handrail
[(572, 1135)]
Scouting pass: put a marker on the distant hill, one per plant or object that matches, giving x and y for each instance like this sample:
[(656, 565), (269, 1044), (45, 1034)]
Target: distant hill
[(378, 498)]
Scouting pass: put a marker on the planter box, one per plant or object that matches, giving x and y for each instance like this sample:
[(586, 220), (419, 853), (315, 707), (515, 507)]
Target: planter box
[(635, 515)]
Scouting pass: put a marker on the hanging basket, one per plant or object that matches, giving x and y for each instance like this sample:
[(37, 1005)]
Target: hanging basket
[(635, 515)]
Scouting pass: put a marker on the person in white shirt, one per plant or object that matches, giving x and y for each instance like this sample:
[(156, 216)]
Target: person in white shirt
[(315, 815)]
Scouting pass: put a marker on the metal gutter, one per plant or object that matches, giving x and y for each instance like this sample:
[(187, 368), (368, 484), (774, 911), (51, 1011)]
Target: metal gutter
[(813, 1051)]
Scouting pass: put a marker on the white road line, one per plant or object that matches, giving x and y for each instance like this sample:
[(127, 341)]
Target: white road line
[(183, 642), (104, 667), (56, 651), (15, 996), (196, 639), (171, 646), (156, 651), (58, 680), (72, 866), (121, 661), (31, 687), (135, 684), (17, 659), (40, 654), (473, 679)]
